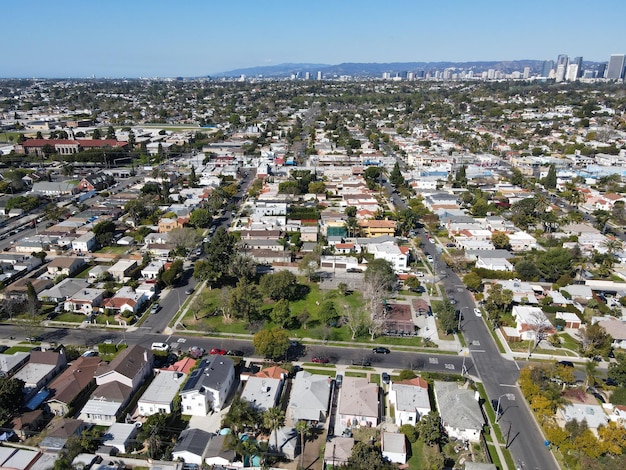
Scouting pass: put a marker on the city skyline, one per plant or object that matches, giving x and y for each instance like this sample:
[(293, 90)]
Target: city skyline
[(73, 39)]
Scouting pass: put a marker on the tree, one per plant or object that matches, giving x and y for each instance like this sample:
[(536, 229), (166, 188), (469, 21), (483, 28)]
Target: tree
[(550, 180), (317, 187), (395, 177), (303, 428), (271, 342), (96, 135), (245, 300), (183, 238), (104, 232), (527, 270), (110, 133), (219, 252), (367, 457), (280, 285), (500, 241), (460, 179), (595, 341), (617, 370), (309, 264), (447, 316), (281, 313), (171, 275), (242, 267), (431, 430), (356, 320), (473, 281), (273, 420), (612, 438), (11, 397), (554, 263), (201, 218), (241, 415), (380, 272)]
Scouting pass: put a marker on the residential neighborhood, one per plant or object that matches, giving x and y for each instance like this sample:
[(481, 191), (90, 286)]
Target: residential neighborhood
[(321, 279)]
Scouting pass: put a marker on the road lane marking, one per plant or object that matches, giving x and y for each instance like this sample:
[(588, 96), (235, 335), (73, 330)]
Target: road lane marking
[(433, 360)]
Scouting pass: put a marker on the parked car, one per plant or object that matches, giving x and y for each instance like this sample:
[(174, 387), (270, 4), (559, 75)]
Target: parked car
[(218, 351), (385, 377), (155, 308), (381, 350), (189, 291), (319, 360), (477, 312), (196, 352), (235, 352), (354, 270), (361, 362), (339, 380)]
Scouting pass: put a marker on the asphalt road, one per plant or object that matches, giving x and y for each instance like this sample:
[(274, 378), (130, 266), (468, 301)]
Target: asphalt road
[(498, 374)]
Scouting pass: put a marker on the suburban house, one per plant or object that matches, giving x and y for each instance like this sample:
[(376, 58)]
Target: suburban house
[(26, 424), (310, 396), (594, 415), (106, 403), (375, 228), (41, 368), (460, 411), (410, 400), (95, 182), (153, 269), (60, 431), (64, 289), (191, 446), (168, 224), (9, 363), (85, 301), (85, 243), (528, 320), (65, 266), (120, 436), (262, 392), (493, 263), (398, 256), (122, 268), (208, 386), (71, 384), (522, 241), (130, 367), (393, 447), (217, 454), (160, 394), (616, 328), (125, 300), (358, 403)]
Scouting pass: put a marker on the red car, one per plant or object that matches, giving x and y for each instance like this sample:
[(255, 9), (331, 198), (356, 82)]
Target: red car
[(320, 360), (218, 351)]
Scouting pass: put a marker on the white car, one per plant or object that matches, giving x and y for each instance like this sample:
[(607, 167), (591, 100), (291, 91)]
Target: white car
[(431, 240), (477, 312)]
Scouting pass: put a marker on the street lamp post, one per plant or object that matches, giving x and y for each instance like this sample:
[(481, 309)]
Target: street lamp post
[(509, 396)]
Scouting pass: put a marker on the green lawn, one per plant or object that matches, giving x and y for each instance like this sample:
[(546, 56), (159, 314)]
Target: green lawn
[(115, 250), (209, 316)]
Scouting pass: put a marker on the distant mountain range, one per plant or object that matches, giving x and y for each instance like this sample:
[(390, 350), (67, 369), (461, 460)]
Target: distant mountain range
[(376, 69)]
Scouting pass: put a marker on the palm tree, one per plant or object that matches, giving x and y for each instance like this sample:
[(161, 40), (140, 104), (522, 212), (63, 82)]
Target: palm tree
[(612, 246), (591, 374), (274, 419), (303, 428)]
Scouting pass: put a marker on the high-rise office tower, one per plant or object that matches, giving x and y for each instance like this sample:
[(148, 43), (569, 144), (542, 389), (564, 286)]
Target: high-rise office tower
[(601, 70), (574, 69), (548, 65), (526, 74), (615, 70), (562, 62)]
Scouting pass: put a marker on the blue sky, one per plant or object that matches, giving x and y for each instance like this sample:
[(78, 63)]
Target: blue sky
[(150, 38)]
